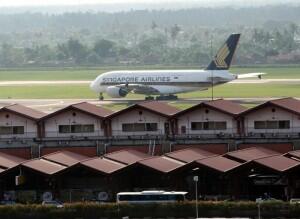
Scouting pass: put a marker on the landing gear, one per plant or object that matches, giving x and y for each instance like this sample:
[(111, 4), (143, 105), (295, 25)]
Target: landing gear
[(149, 98), (101, 96), (167, 97)]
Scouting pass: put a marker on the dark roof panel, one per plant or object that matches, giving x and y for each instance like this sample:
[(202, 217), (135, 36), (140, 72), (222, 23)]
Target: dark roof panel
[(162, 164), (278, 163), (24, 111), (219, 163), (126, 156), (190, 154), (253, 153), (103, 165)]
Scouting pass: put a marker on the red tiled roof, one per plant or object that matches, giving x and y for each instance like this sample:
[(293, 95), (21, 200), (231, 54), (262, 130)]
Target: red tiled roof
[(44, 166), (249, 154), (24, 111), (290, 104), (219, 163), (224, 106), (162, 164), (126, 156), (8, 161), (278, 163), (84, 107), (156, 107), (65, 158), (190, 154), (103, 165)]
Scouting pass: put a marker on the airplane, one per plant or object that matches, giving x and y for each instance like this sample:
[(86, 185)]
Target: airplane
[(166, 83)]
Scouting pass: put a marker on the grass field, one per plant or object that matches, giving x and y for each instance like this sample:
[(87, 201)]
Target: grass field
[(90, 74), (83, 91)]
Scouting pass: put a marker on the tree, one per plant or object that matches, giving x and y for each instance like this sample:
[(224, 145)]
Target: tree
[(104, 48)]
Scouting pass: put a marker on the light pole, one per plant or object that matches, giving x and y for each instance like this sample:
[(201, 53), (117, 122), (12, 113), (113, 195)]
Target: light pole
[(196, 178)]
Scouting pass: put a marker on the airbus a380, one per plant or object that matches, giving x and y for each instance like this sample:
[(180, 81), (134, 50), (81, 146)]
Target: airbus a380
[(168, 82)]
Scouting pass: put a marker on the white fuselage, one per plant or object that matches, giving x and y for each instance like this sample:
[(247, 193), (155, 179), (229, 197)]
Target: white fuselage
[(151, 82)]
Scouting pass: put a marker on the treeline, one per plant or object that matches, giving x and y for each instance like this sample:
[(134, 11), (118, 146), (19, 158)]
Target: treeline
[(184, 37)]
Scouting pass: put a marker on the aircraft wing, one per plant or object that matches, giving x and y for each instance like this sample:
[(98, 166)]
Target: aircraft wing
[(250, 75), (139, 88)]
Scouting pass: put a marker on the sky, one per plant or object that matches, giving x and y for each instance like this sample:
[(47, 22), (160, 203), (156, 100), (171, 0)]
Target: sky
[(18, 3)]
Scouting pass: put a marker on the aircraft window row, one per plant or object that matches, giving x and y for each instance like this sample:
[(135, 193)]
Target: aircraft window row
[(8, 130), (209, 125), (139, 127), (76, 128), (278, 124)]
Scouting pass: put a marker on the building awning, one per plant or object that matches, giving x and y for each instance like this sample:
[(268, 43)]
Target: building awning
[(103, 165), (8, 162), (65, 158), (44, 166)]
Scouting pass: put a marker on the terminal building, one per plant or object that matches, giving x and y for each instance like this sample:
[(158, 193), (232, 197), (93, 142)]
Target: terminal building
[(84, 150)]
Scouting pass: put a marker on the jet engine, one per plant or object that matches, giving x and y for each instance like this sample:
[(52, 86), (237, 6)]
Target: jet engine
[(116, 92)]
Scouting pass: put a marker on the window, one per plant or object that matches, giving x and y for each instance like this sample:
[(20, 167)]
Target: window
[(139, 127), (8, 130), (209, 125), (281, 124), (76, 128)]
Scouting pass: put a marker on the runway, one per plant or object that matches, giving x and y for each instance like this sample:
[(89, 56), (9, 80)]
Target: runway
[(73, 82)]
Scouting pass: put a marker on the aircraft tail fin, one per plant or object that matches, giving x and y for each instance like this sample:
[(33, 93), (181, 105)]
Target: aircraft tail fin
[(223, 58)]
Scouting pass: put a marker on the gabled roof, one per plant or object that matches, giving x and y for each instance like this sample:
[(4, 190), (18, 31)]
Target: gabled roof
[(44, 166), (162, 164), (66, 158), (156, 107), (55, 162), (219, 163), (103, 165), (24, 111), (224, 106), (190, 154), (83, 107), (127, 156), (278, 163), (249, 154), (295, 154), (290, 104), (8, 161)]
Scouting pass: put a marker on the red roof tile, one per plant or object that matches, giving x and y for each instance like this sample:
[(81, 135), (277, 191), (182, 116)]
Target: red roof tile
[(156, 107), (24, 111), (84, 107), (8, 161), (162, 164), (44, 166), (219, 163), (289, 104), (249, 154), (190, 154), (126, 156), (224, 106), (278, 163), (65, 158), (103, 165)]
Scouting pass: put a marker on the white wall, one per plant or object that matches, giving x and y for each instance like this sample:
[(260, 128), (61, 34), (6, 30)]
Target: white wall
[(199, 115), (266, 114), (67, 118), (133, 116), (30, 126)]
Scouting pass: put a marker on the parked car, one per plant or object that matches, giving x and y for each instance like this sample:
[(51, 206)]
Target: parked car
[(53, 203)]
